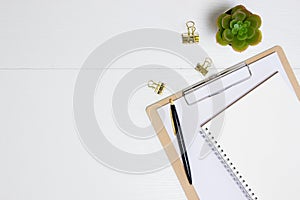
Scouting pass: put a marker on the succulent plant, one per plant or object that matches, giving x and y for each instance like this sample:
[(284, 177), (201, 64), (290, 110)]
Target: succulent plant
[(239, 28)]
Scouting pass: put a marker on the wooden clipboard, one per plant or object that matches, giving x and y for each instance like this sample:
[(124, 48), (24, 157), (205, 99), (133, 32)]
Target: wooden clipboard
[(162, 134)]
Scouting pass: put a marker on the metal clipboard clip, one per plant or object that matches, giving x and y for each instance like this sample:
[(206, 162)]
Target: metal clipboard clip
[(217, 83)]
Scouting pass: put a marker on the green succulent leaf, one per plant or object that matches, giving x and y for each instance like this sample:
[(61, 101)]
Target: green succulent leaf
[(227, 35), (232, 23), (242, 36), (236, 8), (219, 20), (242, 31), (255, 21), (255, 39), (226, 21), (220, 40), (236, 27), (250, 32), (236, 42), (241, 48), (247, 23), (239, 45), (239, 15)]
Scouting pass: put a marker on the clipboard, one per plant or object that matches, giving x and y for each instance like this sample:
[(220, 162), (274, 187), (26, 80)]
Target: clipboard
[(235, 83)]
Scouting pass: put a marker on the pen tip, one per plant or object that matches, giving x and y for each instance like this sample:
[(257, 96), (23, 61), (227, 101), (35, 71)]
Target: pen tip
[(171, 101)]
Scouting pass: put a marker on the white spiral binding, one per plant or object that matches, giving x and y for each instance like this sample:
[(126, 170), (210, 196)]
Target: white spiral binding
[(213, 144)]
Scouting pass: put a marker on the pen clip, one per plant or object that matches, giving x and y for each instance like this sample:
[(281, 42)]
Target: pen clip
[(171, 115)]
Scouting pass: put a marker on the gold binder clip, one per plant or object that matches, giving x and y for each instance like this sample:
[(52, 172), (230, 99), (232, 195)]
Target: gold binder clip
[(203, 68), (190, 36), (158, 87)]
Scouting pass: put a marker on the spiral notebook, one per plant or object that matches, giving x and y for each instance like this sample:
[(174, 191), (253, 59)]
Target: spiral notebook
[(254, 96)]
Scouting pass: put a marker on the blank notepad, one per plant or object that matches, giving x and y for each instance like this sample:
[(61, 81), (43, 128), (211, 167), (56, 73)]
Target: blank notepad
[(261, 135)]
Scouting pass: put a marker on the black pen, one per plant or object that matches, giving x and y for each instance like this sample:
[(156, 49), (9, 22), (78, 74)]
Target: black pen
[(178, 132)]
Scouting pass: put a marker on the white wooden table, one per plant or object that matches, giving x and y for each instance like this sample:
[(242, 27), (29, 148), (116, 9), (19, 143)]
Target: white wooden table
[(43, 46)]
